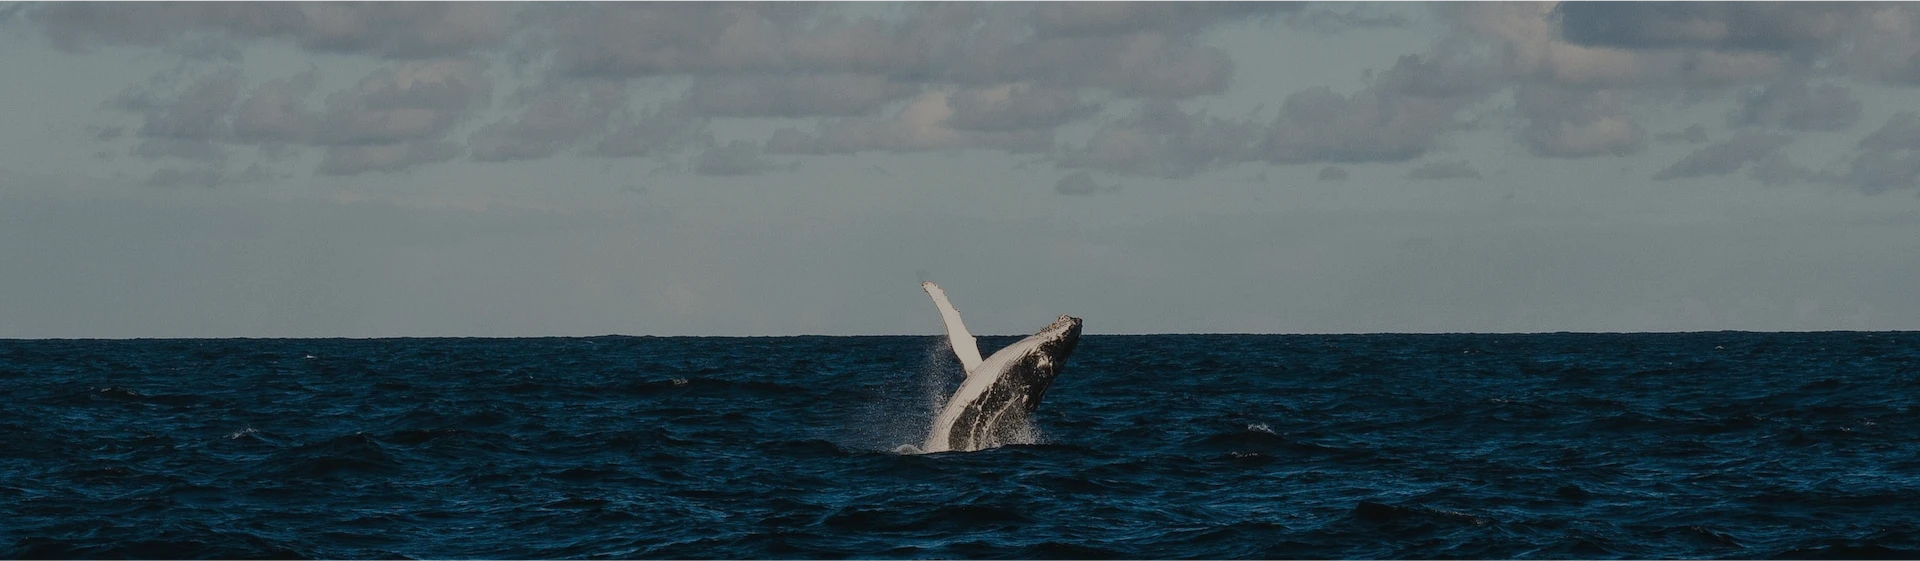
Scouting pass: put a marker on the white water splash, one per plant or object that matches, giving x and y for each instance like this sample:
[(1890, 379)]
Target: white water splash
[(1025, 433), (899, 418)]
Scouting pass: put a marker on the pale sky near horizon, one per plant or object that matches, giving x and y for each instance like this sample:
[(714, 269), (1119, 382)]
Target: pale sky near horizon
[(504, 169)]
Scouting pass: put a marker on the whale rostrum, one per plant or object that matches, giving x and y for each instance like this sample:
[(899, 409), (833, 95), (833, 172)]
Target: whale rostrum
[(992, 406)]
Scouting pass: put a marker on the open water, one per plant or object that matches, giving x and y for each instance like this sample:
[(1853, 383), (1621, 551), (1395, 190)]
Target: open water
[(1747, 445)]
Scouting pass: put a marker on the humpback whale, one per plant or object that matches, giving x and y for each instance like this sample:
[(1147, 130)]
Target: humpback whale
[(1001, 391)]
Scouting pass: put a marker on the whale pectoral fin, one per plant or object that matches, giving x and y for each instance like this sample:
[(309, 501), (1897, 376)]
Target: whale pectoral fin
[(957, 334)]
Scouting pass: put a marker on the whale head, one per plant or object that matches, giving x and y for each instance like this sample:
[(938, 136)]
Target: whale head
[(1065, 330), (1057, 341)]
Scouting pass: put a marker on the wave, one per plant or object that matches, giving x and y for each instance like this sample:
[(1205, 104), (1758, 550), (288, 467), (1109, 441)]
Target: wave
[(1619, 445)]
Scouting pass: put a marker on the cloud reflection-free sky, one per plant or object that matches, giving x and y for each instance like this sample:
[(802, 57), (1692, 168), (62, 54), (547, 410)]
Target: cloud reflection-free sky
[(503, 169)]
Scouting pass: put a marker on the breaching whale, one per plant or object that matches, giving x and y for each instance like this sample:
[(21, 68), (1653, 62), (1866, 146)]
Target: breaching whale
[(993, 404)]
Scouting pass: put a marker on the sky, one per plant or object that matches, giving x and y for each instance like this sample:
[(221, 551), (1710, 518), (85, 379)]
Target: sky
[(556, 169)]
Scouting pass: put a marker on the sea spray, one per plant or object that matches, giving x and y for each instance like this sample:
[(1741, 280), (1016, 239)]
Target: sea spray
[(901, 412)]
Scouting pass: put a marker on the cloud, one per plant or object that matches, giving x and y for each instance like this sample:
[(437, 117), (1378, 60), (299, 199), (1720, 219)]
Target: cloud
[(1318, 125), (1333, 173), (739, 157), (277, 112), (410, 101), (1081, 183), (1693, 134), (552, 120), (197, 112), (804, 95), (394, 118), (1704, 39), (1000, 77), (1569, 123), (1578, 67), (1778, 170), (1401, 115), (1145, 64), (1110, 18), (1015, 107), (1878, 171), (1763, 26), (649, 39), (1530, 43), (1332, 21), (207, 177), (1889, 158), (1134, 50), (168, 178), (184, 125), (349, 159), (1901, 131), (1796, 106), (969, 76), (1725, 157), (920, 125), (393, 30), (1160, 140), (1444, 170), (665, 129), (103, 133), (1886, 160)]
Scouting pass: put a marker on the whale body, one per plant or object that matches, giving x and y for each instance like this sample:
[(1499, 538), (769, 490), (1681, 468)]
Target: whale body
[(993, 405)]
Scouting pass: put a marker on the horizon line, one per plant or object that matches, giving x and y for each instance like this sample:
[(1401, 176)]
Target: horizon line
[(815, 335)]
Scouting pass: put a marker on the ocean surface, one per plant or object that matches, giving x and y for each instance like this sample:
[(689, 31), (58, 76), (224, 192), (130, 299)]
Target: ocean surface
[(1745, 445)]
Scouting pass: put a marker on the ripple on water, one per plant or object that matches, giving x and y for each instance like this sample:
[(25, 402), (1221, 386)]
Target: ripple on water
[(1483, 446)]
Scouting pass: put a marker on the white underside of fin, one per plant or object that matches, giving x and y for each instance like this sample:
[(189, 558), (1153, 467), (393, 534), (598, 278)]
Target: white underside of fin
[(957, 335)]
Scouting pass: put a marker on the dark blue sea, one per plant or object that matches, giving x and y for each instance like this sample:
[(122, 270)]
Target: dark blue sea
[(1744, 445)]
